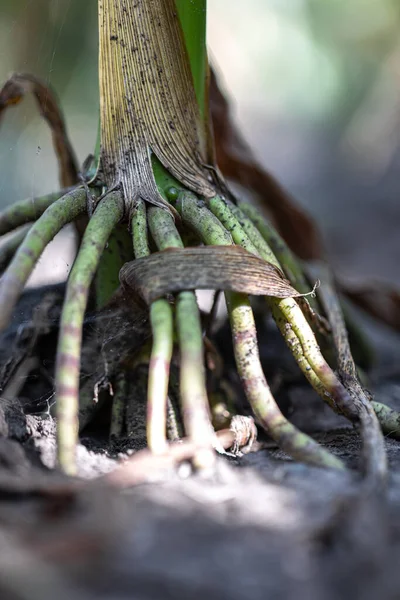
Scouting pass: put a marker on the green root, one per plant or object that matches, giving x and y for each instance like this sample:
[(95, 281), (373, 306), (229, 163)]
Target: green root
[(373, 443), (13, 281), (295, 443), (193, 391), (296, 349), (288, 309), (196, 215), (27, 211), (215, 222), (388, 418), (108, 213), (161, 320)]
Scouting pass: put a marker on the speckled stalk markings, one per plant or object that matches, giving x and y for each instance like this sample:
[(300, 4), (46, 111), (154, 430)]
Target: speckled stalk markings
[(297, 350), (118, 405), (161, 321), (297, 444), (108, 213), (193, 391), (196, 215), (139, 230), (375, 460), (26, 211), (12, 283), (388, 418), (290, 310), (11, 245)]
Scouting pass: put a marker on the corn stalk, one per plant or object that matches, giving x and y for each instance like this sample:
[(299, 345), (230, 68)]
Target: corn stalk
[(154, 185)]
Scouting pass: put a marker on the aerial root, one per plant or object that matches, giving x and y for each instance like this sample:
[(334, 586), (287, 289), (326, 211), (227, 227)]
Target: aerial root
[(291, 312), (108, 213), (295, 443), (195, 410), (27, 211), (217, 222), (13, 281), (388, 418), (161, 321), (212, 232), (373, 444)]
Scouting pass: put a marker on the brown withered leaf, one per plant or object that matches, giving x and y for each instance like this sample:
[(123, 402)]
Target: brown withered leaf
[(13, 91), (206, 267), (237, 162), (147, 100), (379, 300)]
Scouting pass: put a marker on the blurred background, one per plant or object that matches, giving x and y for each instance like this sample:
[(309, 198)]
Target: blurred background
[(315, 87)]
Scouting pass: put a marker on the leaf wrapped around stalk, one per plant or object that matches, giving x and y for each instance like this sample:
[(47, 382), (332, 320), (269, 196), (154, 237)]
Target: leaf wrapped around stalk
[(151, 104), (208, 268)]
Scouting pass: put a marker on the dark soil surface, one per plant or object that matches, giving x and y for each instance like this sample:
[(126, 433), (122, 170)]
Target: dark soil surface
[(261, 526)]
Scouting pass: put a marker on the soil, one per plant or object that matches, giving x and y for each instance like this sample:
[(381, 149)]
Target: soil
[(260, 526)]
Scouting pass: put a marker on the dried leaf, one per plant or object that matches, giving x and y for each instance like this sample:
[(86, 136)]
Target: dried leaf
[(378, 300), (148, 102), (206, 267), (237, 162), (13, 91)]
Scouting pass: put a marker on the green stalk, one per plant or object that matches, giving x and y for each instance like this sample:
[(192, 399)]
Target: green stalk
[(196, 215), (58, 214), (192, 374), (105, 218)]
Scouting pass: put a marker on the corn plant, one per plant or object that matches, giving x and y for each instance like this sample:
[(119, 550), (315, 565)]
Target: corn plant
[(154, 186)]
